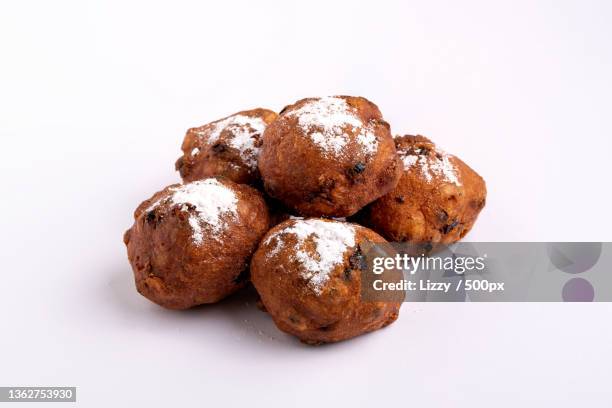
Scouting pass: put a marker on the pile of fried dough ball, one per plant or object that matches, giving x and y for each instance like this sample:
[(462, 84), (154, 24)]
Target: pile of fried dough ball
[(265, 199)]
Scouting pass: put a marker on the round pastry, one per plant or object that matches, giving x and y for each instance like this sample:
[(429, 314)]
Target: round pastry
[(191, 243), (227, 147), (308, 274), (437, 199), (329, 156)]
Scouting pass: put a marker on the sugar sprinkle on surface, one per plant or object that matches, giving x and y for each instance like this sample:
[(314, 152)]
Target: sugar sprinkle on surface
[(212, 201), (326, 121), (431, 167), (243, 130), (331, 240)]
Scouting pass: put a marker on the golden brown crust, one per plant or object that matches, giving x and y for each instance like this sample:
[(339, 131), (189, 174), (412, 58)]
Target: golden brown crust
[(173, 270), (428, 206), (334, 313), (224, 155), (312, 181)]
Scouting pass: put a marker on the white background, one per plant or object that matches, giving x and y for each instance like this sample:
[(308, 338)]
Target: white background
[(95, 97)]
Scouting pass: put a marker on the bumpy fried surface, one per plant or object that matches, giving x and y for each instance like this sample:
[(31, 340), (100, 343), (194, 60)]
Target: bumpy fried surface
[(191, 244), (228, 147), (437, 199), (329, 156), (308, 274)]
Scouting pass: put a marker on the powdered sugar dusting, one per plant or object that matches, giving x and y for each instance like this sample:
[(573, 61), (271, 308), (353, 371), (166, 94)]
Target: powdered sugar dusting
[(331, 240), (438, 165), (244, 130), (326, 121), (409, 160), (368, 141), (211, 201), (444, 168)]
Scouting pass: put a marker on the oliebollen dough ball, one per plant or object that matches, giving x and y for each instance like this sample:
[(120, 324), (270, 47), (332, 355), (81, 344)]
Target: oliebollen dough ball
[(329, 156), (227, 147), (191, 243), (436, 201), (308, 273)]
